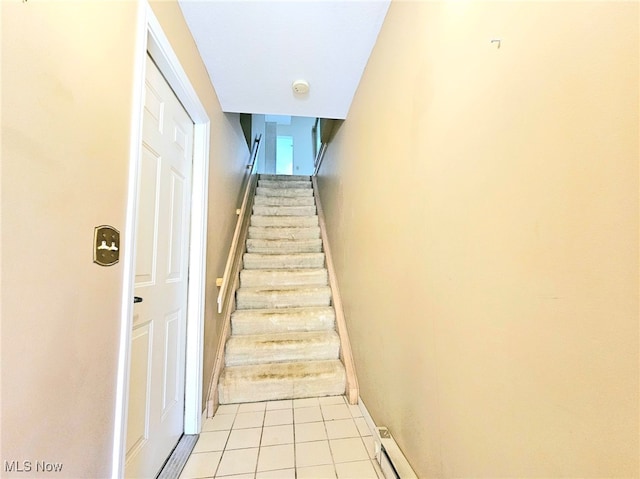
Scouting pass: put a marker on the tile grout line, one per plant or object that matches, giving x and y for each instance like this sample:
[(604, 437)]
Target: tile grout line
[(295, 455), (294, 423), (333, 461), (264, 415), (226, 443)]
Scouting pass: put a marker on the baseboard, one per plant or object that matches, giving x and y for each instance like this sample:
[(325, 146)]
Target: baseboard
[(367, 417), (205, 415), (392, 462)]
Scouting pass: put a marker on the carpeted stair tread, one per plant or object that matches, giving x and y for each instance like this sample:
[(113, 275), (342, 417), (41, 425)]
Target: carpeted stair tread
[(283, 342), (282, 297), (290, 233), (284, 221), (273, 381), (284, 184), (282, 347), (283, 277), (264, 176), (284, 246), (265, 321), (266, 210), (287, 192), (283, 261), (284, 201)]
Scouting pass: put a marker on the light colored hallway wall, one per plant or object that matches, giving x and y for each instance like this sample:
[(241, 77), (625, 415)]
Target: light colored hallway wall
[(482, 207), (67, 73), (67, 83)]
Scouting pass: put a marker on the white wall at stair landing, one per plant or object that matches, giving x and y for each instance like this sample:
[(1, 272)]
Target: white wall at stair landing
[(300, 129)]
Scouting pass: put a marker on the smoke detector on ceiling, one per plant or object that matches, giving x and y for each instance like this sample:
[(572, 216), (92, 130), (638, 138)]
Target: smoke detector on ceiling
[(300, 87)]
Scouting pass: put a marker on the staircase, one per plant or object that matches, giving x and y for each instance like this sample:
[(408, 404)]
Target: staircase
[(283, 342)]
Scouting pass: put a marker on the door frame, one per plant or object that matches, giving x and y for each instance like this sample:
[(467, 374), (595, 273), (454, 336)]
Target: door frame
[(151, 38)]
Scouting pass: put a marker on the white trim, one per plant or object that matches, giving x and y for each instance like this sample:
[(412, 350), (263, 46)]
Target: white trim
[(122, 384), (151, 38), (193, 406), (367, 417)]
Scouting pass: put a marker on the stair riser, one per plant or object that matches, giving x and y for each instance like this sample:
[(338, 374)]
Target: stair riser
[(268, 299), (244, 322), (279, 352), (292, 233), (283, 261), (267, 278), (279, 390), (268, 385), (261, 210), (283, 246), (287, 184), (284, 221), (288, 192), (283, 343), (284, 201)]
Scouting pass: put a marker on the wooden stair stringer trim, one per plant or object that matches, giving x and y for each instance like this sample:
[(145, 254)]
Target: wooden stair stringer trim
[(229, 303), (346, 355)]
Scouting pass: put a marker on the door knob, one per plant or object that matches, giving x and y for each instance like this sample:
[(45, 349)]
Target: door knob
[(137, 299)]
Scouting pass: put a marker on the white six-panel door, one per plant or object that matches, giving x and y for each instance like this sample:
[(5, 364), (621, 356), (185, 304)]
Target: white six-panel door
[(156, 379)]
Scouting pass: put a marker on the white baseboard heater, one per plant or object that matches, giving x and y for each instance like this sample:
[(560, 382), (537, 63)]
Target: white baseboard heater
[(391, 459)]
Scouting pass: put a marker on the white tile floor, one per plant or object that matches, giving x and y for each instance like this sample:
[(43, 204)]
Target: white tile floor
[(314, 438)]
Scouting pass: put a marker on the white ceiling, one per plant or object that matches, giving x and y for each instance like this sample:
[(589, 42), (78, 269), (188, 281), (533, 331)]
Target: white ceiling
[(254, 50)]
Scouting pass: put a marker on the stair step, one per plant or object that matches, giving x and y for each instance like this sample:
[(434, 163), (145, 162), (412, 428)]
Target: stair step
[(288, 184), (290, 233), (265, 321), (282, 297), (285, 177), (283, 277), (284, 246), (287, 192), (273, 381), (284, 201), (284, 221), (282, 347), (265, 210), (283, 261)]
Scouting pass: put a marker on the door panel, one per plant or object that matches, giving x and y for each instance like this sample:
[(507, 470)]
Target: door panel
[(138, 423), (153, 106), (171, 383), (147, 231), (156, 390), (176, 245)]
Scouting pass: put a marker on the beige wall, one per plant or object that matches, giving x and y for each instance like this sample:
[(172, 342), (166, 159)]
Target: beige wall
[(67, 82), (482, 207)]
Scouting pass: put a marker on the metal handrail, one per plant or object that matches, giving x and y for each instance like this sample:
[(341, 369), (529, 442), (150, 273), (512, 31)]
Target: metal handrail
[(254, 152), (319, 158), (228, 269)]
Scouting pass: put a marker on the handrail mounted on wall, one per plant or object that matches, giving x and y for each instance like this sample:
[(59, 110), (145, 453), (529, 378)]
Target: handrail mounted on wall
[(251, 166), (231, 278)]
